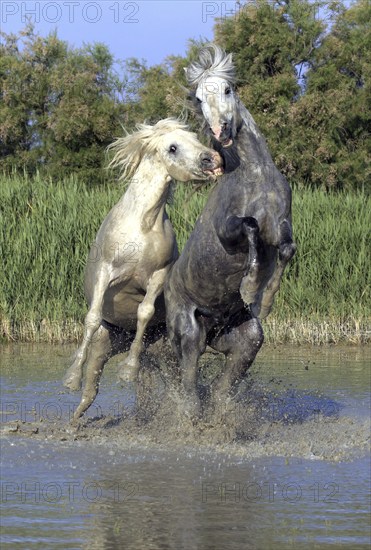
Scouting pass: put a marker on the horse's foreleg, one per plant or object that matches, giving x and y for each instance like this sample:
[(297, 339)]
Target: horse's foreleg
[(106, 343), (93, 319), (130, 369), (286, 251), (250, 283), (241, 234), (236, 233)]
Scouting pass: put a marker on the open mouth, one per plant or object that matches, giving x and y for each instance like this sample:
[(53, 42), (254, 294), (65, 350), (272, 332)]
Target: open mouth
[(227, 142), (216, 172)]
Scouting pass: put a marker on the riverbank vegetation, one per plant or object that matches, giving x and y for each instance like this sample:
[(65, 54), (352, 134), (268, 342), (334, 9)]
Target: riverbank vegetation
[(47, 229), (304, 72)]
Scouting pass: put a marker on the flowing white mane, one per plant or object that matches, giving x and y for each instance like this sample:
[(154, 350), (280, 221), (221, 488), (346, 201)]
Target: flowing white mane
[(130, 149), (212, 61)]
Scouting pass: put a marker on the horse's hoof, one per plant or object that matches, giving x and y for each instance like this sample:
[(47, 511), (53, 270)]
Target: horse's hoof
[(75, 422), (72, 383), (76, 419)]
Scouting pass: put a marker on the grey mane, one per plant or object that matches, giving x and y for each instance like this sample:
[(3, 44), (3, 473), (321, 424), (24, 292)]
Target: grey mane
[(212, 61)]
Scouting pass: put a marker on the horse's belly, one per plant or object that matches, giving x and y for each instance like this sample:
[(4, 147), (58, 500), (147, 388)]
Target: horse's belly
[(120, 307)]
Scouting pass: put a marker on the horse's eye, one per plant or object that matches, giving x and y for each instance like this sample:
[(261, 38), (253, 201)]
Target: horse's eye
[(172, 149), (199, 100), (227, 91)]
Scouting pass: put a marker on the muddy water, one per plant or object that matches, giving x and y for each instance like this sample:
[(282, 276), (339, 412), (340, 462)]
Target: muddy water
[(286, 466)]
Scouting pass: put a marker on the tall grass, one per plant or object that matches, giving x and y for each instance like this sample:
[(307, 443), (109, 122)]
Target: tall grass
[(46, 231)]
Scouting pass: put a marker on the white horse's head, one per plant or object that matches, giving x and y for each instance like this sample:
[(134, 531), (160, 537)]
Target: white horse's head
[(212, 79), (170, 144)]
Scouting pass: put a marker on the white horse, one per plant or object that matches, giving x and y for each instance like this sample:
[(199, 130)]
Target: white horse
[(134, 249)]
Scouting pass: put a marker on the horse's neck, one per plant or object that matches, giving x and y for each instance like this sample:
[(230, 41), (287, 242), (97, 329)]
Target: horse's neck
[(248, 121), (147, 193), (250, 133)]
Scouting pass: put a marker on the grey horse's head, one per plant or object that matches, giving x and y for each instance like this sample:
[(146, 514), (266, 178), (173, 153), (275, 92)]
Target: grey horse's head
[(212, 78)]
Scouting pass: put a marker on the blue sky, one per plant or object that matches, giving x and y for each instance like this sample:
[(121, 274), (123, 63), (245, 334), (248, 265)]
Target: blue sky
[(146, 29)]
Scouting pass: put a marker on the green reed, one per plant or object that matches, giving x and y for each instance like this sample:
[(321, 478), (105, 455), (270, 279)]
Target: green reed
[(47, 228)]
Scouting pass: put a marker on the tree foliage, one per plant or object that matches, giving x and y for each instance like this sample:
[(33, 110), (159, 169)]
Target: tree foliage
[(303, 70), (307, 84), (58, 106), (335, 110)]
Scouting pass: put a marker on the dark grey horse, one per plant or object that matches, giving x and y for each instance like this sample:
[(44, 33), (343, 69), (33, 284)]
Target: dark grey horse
[(225, 280)]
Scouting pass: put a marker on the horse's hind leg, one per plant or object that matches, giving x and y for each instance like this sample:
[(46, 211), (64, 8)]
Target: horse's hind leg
[(286, 251), (240, 345), (188, 340)]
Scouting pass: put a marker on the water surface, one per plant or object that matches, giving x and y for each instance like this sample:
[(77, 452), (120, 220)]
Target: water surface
[(299, 479)]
